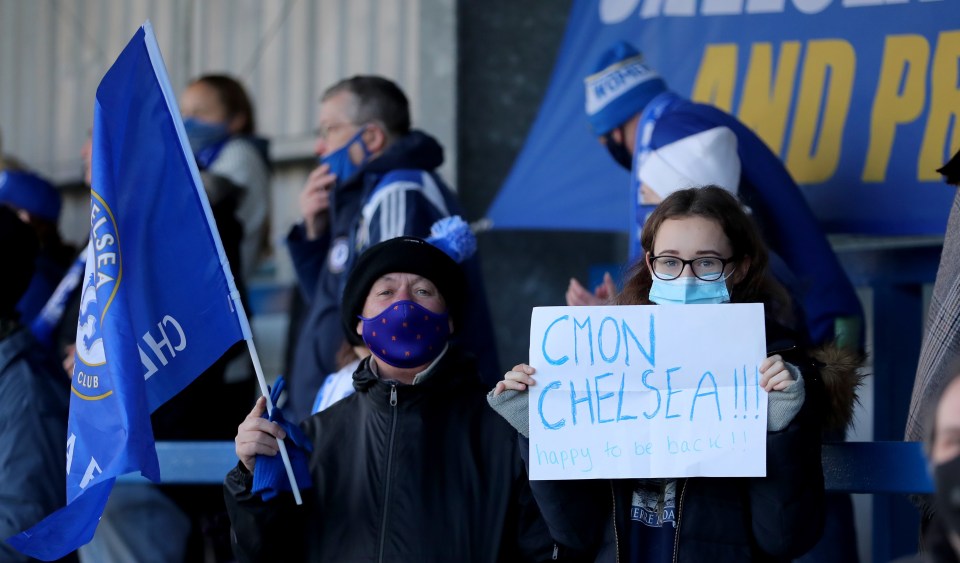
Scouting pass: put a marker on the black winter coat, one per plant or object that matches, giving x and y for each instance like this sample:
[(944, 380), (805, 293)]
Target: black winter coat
[(425, 472), (775, 518)]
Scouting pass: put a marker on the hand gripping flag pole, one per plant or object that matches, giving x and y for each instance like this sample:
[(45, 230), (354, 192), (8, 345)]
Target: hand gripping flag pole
[(270, 406)]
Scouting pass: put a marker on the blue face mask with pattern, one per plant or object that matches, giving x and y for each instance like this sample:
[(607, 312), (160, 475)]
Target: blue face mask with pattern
[(339, 160), (689, 291), (406, 334)]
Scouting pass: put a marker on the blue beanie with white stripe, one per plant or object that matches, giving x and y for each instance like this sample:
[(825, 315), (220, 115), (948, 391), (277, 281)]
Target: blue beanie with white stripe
[(619, 88)]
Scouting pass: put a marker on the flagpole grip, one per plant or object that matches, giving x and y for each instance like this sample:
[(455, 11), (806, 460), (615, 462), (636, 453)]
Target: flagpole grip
[(265, 391)]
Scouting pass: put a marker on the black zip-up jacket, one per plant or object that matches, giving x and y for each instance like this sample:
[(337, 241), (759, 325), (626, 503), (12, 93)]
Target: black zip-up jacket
[(774, 518), (425, 472)]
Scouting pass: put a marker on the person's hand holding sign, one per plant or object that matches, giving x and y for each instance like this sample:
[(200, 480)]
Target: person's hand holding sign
[(517, 379), (774, 374)]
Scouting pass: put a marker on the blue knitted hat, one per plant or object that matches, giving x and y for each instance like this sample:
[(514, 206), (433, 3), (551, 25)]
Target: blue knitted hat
[(619, 88), (31, 193)]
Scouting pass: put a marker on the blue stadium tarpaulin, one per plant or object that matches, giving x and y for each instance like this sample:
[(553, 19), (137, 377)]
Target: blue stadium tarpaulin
[(860, 98)]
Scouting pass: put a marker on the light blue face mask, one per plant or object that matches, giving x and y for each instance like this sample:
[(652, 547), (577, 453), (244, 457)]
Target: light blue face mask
[(339, 160), (689, 291)]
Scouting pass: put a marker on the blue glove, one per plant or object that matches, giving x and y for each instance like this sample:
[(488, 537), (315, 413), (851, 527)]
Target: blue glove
[(269, 475)]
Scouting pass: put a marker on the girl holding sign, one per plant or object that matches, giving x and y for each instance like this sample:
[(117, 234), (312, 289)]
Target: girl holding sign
[(700, 247)]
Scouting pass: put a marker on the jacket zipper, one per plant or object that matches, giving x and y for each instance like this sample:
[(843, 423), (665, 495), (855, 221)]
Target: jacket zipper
[(386, 485), (676, 533), (781, 350), (616, 537)]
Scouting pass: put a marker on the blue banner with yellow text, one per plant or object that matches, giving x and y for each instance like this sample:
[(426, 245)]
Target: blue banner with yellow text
[(860, 98), (158, 304)]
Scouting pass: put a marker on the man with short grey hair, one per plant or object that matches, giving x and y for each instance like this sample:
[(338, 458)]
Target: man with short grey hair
[(376, 180)]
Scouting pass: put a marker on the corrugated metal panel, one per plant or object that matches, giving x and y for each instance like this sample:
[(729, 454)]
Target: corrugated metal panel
[(53, 54), (288, 53)]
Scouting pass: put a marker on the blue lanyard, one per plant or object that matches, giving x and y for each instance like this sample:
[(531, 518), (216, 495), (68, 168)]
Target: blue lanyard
[(648, 121)]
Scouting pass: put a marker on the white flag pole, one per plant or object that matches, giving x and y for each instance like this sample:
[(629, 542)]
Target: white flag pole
[(270, 406)]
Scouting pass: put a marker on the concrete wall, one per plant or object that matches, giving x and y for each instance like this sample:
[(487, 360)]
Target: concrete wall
[(506, 56)]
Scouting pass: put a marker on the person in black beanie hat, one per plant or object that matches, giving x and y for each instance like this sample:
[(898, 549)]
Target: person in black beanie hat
[(377, 179), (35, 397), (451, 235), (414, 466), (402, 254)]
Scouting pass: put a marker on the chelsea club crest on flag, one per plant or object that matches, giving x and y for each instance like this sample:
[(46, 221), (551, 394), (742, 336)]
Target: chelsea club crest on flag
[(159, 304)]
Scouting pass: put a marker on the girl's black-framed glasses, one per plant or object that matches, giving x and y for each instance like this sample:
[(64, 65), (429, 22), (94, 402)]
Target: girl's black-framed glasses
[(706, 268)]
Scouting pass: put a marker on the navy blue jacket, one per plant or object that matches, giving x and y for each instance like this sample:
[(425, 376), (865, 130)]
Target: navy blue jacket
[(34, 397), (398, 193)]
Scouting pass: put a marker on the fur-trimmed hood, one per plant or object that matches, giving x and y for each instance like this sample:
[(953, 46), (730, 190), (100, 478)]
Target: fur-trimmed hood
[(837, 367), (842, 376)]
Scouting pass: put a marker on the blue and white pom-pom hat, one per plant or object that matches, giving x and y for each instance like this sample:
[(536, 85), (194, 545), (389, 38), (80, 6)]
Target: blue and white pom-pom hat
[(619, 88)]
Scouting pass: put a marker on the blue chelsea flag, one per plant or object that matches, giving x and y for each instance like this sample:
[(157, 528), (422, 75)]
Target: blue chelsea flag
[(159, 304)]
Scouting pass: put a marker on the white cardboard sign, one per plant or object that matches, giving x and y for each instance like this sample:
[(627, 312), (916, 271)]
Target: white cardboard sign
[(647, 391)]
